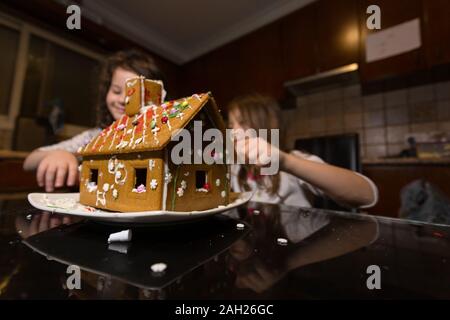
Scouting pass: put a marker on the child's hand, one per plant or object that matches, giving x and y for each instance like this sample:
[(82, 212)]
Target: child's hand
[(257, 151), (57, 168)]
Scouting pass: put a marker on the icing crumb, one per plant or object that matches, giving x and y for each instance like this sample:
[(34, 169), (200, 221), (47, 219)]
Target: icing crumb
[(122, 236), (158, 267), (240, 226)]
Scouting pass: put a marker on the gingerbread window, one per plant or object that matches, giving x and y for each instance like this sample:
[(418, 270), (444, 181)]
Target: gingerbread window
[(201, 181), (93, 177), (140, 180)]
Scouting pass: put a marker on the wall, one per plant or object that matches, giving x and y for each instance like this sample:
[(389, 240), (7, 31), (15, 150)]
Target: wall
[(382, 119)]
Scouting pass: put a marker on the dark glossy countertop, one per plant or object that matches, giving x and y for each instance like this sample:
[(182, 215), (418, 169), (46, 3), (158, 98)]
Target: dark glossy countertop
[(327, 256)]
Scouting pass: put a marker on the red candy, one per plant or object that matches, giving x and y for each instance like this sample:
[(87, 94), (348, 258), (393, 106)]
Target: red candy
[(130, 91), (164, 119), (206, 186)]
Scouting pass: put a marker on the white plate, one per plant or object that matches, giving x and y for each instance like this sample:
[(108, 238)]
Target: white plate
[(68, 204)]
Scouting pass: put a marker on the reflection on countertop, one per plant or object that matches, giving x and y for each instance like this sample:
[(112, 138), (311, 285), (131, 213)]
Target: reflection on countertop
[(280, 253)]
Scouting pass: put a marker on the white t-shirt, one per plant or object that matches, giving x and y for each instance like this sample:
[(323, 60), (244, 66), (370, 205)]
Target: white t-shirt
[(292, 190)]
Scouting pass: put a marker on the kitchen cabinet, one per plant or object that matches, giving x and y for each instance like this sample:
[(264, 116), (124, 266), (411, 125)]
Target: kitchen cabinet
[(299, 45), (337, 33), (392, 13), (437, 31)]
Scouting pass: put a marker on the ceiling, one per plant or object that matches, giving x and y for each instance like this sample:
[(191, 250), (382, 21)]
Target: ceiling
[(181, 30)]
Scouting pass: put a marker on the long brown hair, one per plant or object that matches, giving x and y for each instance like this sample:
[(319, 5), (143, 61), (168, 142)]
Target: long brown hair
[(132, 60), (257, 112)]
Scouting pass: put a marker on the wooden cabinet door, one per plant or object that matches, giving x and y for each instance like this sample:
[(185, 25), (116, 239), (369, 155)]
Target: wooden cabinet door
[(338, 33), (299, 45), (392, 13), (437, 31)]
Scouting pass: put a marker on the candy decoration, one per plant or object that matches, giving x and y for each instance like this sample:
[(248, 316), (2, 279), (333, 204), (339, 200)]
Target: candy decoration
[(206, 186), (164, 119), (130, 91), (153, 184)]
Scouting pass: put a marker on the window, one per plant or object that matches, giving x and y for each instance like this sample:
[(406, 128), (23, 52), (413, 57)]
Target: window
[(9, 42), (140, 179), (93, 177), (51, 82), (201, 181)]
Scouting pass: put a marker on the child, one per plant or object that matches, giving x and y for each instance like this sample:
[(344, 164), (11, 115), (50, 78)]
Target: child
[(300, 174), (56, 164)]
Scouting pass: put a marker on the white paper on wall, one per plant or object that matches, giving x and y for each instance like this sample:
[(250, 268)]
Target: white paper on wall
[(393, 41)]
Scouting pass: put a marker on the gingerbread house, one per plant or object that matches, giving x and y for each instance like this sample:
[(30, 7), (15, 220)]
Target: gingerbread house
[(128, 166)]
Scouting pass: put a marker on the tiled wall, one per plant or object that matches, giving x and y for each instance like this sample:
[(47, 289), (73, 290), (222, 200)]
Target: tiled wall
[(382, 120)]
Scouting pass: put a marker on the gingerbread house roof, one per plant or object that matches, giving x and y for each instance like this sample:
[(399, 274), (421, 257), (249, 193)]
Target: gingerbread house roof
[(153, 127)]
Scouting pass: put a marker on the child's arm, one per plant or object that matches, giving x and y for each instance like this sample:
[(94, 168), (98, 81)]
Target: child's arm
[(54, 168), (56, 164), (342, 185)]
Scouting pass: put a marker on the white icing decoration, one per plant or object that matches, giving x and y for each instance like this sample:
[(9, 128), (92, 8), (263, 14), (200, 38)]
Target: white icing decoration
[(106, 187), (159, 267), (217, 182), (153, 184), (168, 177), (112, 165), (138, 140), (91, 186), (151, 164), (127, 99), (100, 198), (228, 176), (131, 83), (223, 194), (186, 174), (80, 167), (183, 184), (118, 175), (180, 192), (115, 194), (202, 190)]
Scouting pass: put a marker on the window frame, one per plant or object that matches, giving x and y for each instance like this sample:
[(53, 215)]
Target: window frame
[(26, 30)]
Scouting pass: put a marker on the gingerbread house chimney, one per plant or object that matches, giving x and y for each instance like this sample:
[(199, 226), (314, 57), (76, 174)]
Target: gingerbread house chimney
[(141, 92)]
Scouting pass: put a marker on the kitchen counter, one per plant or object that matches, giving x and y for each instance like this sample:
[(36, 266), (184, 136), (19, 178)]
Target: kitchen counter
[(326, 256), (406, 161)]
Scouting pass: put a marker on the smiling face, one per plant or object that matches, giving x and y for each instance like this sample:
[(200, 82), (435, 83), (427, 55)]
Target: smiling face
[(115, 98)]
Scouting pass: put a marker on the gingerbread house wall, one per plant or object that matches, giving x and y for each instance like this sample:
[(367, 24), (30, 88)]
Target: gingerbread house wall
[(183, 193), (118, 191)]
